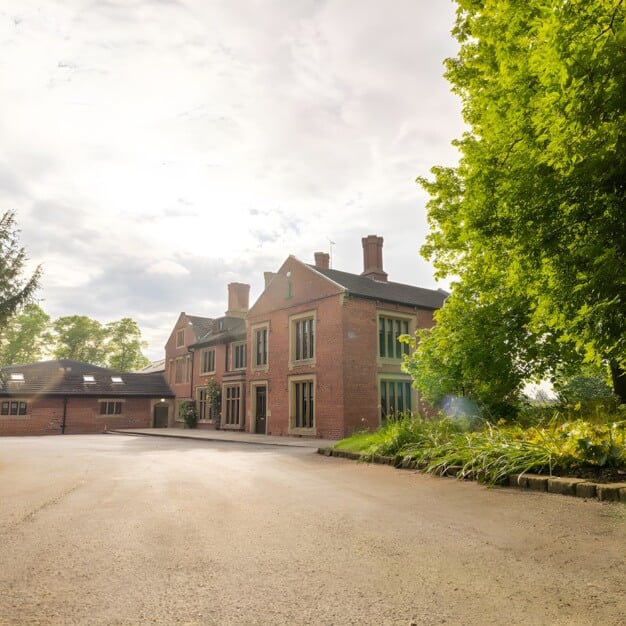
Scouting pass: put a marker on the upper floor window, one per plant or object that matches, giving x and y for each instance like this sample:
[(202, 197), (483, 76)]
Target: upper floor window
[(303, 338), (180, 338), (207, 361), (389, 331), (260, 347), (239, 356)]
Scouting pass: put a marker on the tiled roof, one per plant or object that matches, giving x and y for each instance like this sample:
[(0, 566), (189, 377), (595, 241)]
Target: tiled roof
[(73, 378), (201, 325), (385, 291), (223, 329)]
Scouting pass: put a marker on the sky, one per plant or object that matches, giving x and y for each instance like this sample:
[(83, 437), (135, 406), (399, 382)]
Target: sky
[(156, 150)]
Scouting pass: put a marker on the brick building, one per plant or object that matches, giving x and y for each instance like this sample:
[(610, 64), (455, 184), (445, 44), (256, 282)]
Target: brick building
[(69, 397), (316, 355)]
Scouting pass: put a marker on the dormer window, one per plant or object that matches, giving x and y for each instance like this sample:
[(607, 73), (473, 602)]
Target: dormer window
[(117, 379), (17, 377), (88, 378)]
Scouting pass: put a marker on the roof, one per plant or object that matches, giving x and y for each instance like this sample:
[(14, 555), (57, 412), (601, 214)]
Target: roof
[(223, 329), (73, 378), (155, 366), (366, 287), (201, 325)]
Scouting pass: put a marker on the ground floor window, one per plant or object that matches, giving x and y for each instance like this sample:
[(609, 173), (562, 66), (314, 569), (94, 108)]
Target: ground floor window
[(208, 403), (395, 397), (110, 407), (13, 407), (233, 405), (302, 392)]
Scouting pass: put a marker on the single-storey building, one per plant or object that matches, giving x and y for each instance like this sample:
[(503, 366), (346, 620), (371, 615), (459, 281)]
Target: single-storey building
[(70, 397)]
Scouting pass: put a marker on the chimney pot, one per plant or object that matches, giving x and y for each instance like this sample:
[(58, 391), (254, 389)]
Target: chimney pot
[(322, 260), (373, 257), (238, 299)]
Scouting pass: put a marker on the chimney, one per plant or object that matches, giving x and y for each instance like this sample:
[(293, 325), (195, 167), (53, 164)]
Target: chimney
[(322, 260), (238, 299), (268, 276), (373, 257)]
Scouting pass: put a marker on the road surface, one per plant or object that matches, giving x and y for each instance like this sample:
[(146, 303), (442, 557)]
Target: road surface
[(114, 529)]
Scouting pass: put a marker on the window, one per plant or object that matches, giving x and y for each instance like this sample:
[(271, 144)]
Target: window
[(233, 405), (207, 361), (209, 402), (110, 407), (389, 330), (260, 347), (117, 380), (13, 407), (17, 377), (395, 397), (302, 401), (239, 356), (178, 378), (88, 378), (182, 372), (180, 338), (303, 344)]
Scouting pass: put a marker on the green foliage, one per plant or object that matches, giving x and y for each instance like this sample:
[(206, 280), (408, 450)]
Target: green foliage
[(188, 411), (81, 339), (15, 291), (534, 212), (587, 384), (25, 336), (124, 345), (489, 453)]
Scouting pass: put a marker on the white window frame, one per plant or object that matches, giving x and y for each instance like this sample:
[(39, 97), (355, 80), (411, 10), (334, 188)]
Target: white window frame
[(294, 320), (9, 414), (295, 381), (394, 316), (254, 362), (204, 355)]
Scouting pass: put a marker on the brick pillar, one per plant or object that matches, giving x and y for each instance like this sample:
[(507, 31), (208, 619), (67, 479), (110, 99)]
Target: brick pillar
[(238, 299)]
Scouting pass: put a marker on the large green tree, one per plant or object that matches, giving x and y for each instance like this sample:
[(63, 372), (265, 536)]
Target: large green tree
[(535, 208), (80, 338), (124, 345), (26, 336), (15, 290)]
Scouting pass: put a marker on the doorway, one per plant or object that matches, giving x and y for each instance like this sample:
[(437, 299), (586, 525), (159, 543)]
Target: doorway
[(161, 415), (260, 409)]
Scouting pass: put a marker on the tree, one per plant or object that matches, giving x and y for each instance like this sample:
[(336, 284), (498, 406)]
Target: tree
[(80, 338), (535, 208), (15, 291), (26, 336), (124, 346)]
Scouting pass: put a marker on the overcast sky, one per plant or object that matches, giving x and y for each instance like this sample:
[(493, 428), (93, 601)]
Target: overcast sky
[(156, 150)]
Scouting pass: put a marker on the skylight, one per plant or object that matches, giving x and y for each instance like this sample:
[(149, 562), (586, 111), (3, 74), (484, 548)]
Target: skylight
[(88, 378), (17, 376), (117, 379)]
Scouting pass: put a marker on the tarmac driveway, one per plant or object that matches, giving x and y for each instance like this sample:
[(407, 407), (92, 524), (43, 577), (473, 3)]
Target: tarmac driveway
[(116, 529)]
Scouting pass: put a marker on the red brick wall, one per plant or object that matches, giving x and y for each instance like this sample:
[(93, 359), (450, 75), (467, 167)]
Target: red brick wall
[(45, 416)]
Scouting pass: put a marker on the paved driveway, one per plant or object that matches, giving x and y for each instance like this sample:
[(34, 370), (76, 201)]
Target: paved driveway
[(115, 529)]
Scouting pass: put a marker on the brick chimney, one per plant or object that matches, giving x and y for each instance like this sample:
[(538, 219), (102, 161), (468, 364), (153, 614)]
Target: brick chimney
[(268, 277), (238, 299), (322, 260), (373, 257)]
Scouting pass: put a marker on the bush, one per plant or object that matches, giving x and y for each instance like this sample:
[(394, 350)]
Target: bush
[(187, 409)]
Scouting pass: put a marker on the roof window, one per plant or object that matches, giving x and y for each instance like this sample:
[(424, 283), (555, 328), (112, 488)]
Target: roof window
[(17, 376), (117, 379), (89, 378)]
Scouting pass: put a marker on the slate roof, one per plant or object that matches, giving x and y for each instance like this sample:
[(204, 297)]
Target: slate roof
[(232, 328), (200, 325), (65, 378), (385, 291)]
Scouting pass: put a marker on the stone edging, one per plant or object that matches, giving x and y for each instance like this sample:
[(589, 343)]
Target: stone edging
[(579, 487)]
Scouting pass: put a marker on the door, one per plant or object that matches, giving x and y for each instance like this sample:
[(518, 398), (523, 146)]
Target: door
[(161, 415), (260, 409)]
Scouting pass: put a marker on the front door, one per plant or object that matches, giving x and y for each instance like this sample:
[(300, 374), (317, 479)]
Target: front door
[(160, 416), (260, 410)]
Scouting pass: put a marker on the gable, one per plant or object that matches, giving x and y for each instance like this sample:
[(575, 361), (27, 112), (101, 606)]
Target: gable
[(294, 283)]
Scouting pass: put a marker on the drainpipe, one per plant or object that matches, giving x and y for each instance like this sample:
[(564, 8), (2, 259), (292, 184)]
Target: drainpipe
[(192, 352), (64, 415)]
